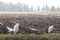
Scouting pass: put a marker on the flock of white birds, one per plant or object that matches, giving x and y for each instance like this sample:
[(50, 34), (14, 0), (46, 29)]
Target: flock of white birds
[(15, 29)]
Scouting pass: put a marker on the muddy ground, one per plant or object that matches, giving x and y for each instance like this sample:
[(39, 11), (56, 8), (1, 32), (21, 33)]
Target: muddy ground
[(40, 22)]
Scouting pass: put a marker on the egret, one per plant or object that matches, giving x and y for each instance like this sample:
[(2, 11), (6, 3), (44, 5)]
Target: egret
[(50, 29), (33, 29), (15, 29)]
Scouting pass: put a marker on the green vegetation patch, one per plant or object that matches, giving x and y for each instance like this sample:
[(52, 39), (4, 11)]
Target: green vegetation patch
[(29, 37)]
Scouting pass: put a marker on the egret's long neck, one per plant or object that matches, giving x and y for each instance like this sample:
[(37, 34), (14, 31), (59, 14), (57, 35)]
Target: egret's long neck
[(17, 25)]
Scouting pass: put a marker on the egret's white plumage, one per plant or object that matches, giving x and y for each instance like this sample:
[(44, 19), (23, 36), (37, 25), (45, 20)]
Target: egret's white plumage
[(10, 29), (50, 29), (33, 29), (15, 29)]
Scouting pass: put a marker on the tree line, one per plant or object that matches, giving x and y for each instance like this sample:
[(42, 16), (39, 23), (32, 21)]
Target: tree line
[(11, 7)]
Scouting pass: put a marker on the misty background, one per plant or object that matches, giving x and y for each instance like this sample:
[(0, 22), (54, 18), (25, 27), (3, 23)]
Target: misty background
[(20, 7)]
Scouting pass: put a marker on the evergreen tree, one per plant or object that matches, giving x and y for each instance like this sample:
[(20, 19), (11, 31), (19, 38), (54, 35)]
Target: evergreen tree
[(38, 9)]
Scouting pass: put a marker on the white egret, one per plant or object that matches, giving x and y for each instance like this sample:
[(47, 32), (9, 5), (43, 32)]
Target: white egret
[(33, 29), (15, 29), (50, 29)]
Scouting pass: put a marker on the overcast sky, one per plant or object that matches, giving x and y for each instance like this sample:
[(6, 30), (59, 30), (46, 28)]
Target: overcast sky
[(35, 3)]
